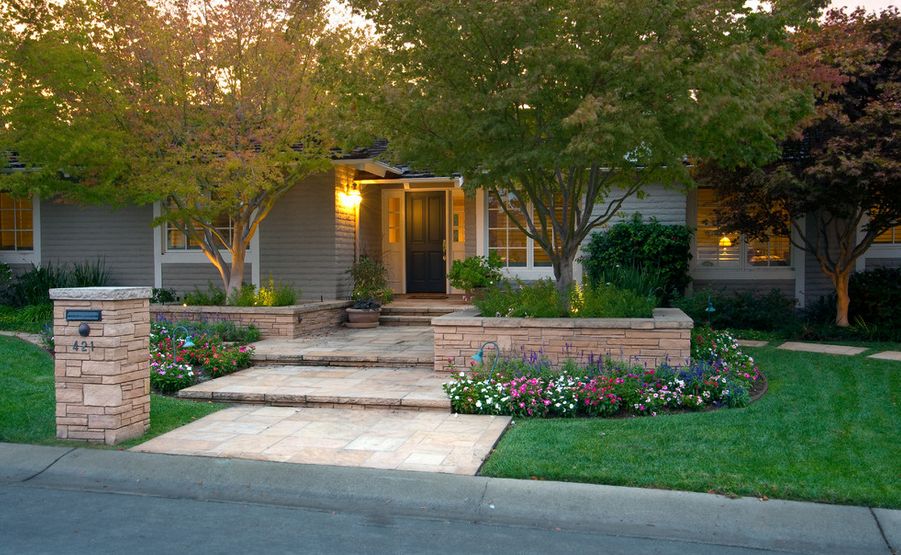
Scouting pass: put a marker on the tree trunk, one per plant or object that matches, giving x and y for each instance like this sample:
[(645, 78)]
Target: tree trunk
[(235, 278), (840, 280)]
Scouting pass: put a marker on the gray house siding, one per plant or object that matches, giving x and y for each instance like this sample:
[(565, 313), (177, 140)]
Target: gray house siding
[(873, 263), (785, 286), (185, 277), (297, 239), (344, 236), (121, 237), (816, 283), (666, 204)]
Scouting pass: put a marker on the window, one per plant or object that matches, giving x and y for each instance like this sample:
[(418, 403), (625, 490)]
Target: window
[(504, 238), (510, 243), (458, 227), (16, 223), (716, 249), (393, 219), (889, 237), (176, 240)]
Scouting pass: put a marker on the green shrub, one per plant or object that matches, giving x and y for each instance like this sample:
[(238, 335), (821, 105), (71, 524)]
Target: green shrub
[(644, 281), (876, 298), (639, 244), (31, 318), (88, 274), (33, 287), (223, 330), (475, 272), (741, 310), (163, 295), (542, 300), (370, 281), (212, 296), (246, 295), (276, 294)]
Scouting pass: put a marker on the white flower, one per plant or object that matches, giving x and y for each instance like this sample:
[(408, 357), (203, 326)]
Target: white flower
[(479, 404)]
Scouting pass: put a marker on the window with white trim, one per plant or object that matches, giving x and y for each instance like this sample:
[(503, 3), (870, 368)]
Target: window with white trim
[(177, 241), (716, 249), (515, 248), (16, 223)]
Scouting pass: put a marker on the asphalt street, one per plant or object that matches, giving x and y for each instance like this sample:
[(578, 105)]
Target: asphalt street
[(60, 500)]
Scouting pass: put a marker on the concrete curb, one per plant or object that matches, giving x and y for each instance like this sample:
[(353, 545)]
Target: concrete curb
[(631, 512)]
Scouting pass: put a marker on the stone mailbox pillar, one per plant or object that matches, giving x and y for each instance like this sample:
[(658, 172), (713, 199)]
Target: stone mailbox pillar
[(102, 368)]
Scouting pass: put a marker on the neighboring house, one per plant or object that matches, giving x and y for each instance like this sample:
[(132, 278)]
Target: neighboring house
[(417, 224)]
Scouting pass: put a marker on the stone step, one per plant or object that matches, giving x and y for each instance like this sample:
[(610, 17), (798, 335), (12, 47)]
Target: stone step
[(343, 360), (328, 387), (436, 310), (406, 320)]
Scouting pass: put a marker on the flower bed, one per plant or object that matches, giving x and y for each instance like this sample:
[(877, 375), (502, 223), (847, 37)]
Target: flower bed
[(720, 375), (174, 366)]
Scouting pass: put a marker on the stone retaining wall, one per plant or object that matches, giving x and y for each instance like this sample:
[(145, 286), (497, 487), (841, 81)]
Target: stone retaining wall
[(664, 337), (273, 321)]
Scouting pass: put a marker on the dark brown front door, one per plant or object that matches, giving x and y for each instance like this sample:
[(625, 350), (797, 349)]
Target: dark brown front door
[(425, 242)]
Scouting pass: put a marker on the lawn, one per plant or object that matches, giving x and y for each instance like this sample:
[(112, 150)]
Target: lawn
[(827, 430), (27, 399)]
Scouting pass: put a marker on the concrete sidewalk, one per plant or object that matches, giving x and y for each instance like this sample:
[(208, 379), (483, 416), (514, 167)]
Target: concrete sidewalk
[(702, 519)]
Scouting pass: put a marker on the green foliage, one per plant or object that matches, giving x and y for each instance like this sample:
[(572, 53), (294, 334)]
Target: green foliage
[(33, 287), (475, 272), (212, 296), (741, 309), (224, 330), (163, 295), (246, 295), (276, 294), (88, 274), (645, 281), (561, 114), (644, 245), (29, 318), (370, 281), (541, 299), (84, 109), (876, 298)]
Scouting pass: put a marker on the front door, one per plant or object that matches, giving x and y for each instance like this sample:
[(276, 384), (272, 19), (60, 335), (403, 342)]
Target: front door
[(425, 238)]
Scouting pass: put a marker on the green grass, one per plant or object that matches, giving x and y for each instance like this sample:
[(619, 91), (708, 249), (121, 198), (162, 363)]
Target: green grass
[(827, 430), (27, 400)]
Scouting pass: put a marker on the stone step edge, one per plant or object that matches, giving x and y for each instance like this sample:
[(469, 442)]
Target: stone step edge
[(364, 361), (286, 399), (422, 309)]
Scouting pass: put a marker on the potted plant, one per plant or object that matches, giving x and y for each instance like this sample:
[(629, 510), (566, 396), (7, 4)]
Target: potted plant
[(475, 273), (370, 292)]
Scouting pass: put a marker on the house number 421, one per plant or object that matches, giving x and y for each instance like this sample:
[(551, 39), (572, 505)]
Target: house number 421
[(82, 346)]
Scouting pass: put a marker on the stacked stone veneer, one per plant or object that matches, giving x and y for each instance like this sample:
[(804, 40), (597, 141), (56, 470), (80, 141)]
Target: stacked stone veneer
[(103, 385), (272, 321), (664, 337)]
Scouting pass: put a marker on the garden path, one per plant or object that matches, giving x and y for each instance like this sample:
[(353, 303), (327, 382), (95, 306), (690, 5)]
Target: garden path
[(429, 441), (822, 348), (887, 355)]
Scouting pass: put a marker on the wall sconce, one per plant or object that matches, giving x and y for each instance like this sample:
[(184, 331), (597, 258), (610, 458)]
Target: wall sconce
[(352, 197), (725, 242)]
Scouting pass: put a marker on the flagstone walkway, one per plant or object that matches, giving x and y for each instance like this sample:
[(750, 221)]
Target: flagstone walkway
[(429, 441), (386, 346), (821, 348), (363, 387)]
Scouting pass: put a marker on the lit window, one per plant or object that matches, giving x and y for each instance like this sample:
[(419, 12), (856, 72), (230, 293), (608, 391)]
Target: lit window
[(16, 223), (716, 249), (393, 219), (504, 238), (890, 236)]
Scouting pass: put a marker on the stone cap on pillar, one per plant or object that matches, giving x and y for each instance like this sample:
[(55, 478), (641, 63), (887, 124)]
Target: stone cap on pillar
[(100, 293)]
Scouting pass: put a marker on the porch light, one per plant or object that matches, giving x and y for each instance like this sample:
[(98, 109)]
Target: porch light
[(480, 356), (351, 198), (725, 242)]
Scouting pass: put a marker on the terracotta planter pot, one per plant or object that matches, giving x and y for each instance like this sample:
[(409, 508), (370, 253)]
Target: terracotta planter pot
[(363, 318)]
